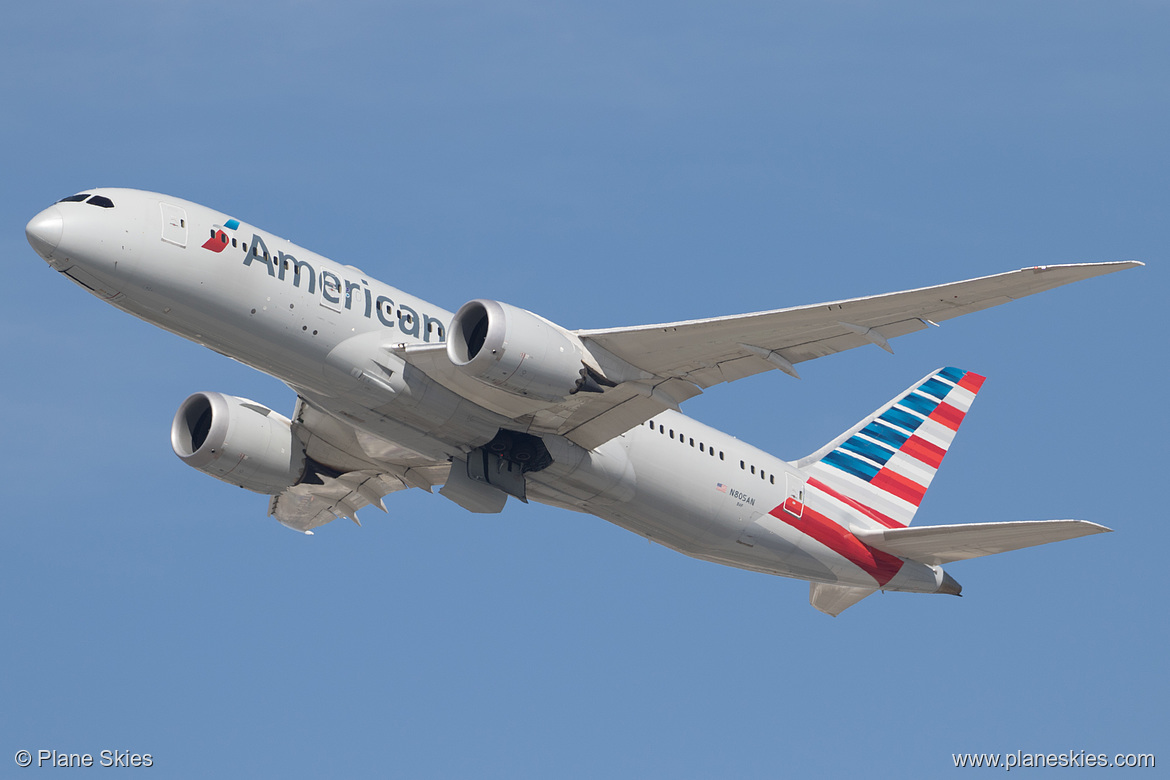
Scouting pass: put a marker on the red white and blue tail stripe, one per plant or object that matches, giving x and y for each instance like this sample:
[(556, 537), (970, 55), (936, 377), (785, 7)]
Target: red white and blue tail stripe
[(882, 466)]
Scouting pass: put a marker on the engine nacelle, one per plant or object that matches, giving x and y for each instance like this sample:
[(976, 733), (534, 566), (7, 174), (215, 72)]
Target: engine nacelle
[(517, 351), (238, 441)]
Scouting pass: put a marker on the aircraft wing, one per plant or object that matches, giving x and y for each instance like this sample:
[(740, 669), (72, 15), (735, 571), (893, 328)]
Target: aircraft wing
[(671, 362), (702, 353), (707, 352)]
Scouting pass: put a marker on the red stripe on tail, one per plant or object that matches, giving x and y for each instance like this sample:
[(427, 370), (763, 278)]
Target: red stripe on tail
[(972, 382), (894, 483), (948, 416), (920, 449)]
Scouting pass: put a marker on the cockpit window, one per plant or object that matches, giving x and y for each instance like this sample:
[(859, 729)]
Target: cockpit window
[(101, 200), (75, 198)]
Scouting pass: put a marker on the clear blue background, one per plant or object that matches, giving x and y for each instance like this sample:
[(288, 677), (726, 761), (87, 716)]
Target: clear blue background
[(602, 164)]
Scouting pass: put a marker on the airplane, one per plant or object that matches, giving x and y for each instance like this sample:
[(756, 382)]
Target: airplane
[(494, 401)]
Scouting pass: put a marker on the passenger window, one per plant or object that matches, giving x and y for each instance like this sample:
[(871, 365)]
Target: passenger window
[(741, 465)]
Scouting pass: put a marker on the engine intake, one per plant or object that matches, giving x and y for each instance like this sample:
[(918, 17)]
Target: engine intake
[(239, 441), (518, 351)]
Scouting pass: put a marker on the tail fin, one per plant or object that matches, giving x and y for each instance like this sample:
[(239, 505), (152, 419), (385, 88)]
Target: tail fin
[(883, 465)]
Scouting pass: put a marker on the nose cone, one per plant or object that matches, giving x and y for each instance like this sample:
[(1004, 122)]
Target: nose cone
[(44, 231)]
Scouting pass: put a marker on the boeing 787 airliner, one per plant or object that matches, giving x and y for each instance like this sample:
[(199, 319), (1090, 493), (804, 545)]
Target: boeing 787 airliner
[(495, 401)]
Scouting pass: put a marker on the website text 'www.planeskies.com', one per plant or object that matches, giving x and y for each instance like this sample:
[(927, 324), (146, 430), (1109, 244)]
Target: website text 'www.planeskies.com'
[(1071, 758)]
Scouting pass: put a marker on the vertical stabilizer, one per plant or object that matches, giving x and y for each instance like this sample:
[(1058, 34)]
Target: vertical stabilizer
[(881, 467)]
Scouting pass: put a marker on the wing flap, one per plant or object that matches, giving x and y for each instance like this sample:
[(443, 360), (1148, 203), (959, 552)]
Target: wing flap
[(615, 420), (939, 544), (305, 507)]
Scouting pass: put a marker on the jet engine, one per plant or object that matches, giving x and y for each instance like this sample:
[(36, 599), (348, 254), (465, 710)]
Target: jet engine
[(238, 441), (519, 351)]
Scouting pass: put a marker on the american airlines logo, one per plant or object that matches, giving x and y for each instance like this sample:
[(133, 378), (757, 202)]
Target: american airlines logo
[(219, 241), (338, 292)]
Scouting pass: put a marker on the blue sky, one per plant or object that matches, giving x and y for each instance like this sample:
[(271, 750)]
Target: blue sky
[(601, 164)]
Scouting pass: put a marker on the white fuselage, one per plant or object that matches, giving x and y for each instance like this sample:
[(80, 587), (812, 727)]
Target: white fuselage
[(294, 314)]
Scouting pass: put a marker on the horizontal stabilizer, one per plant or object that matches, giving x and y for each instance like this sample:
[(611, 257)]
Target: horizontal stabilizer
[(835, 599), (938, 544)]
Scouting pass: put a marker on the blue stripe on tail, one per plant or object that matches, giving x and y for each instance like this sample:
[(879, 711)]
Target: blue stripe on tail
[(851, 465), (919, 403)]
